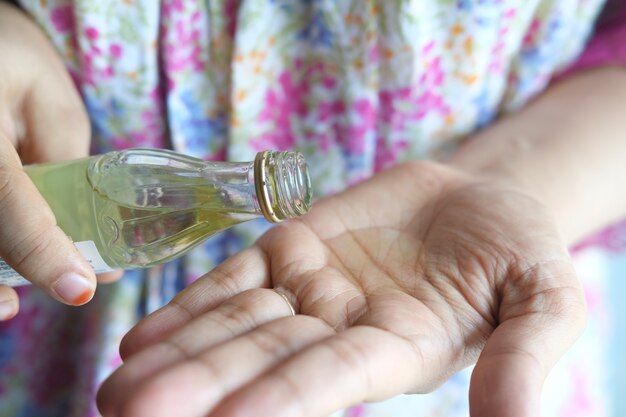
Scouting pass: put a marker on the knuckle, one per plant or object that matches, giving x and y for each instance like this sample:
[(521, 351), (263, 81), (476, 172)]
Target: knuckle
[(348, 354), (74, 116), (7, 187), (224, 279), (80, 122), (268, 341), (34, 245), (181, 307), (239, 317)]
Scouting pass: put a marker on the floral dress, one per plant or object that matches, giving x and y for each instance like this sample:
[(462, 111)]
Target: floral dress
[(356, 85)]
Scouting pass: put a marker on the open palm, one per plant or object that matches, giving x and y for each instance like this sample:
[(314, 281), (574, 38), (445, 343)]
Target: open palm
[(398, 283)]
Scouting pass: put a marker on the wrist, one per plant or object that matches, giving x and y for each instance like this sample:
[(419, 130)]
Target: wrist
[(503, 160), (565, 149)]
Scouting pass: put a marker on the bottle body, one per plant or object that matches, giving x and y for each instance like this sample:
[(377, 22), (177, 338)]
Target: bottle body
[(142, 207)]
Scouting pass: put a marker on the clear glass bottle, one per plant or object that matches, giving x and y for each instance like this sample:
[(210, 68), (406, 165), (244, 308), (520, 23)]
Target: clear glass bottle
[(141, 207)]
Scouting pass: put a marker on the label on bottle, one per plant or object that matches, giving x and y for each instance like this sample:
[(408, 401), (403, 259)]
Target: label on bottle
[(87, 248)]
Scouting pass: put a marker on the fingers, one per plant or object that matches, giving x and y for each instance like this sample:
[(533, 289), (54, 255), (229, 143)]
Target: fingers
[(32, 243), (510, 372), (360, 364), (245, 270), (282, 368), (41, 112), (193, 354), (286, 363), (42, 119), (9, 303), (56, 123)]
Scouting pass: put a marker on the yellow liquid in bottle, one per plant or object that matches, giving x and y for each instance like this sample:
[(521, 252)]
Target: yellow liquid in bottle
[(141, 225)]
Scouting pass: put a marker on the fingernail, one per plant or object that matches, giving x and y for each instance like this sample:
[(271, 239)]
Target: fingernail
[(7, 309), (74, 288)]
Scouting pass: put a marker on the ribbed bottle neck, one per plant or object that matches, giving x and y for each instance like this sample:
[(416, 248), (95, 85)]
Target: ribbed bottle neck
[(282, 185)]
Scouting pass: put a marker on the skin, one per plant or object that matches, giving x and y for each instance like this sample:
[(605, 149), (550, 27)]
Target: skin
[(394, 296), (42, 119), (460, 262)]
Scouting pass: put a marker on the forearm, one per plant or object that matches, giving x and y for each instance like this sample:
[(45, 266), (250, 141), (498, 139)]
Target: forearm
[(567, 148)]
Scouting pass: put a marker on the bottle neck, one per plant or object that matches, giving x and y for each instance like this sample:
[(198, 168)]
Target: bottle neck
[(275, 185), (283, 185)]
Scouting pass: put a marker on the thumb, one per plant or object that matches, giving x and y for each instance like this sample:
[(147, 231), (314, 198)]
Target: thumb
[(32, 243), (509, 375)]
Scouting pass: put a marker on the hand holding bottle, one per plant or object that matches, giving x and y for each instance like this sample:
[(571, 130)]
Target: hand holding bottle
[(41, 119), (398, 283)]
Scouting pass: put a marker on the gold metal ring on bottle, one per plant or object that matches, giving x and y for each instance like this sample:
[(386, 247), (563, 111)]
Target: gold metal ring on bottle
[(261, 187)]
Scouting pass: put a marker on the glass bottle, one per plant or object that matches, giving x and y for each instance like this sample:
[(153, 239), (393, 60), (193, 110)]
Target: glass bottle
[(141, 207)]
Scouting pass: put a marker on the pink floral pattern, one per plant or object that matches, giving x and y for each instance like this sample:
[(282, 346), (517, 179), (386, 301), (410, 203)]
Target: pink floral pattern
[(357, 87)]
